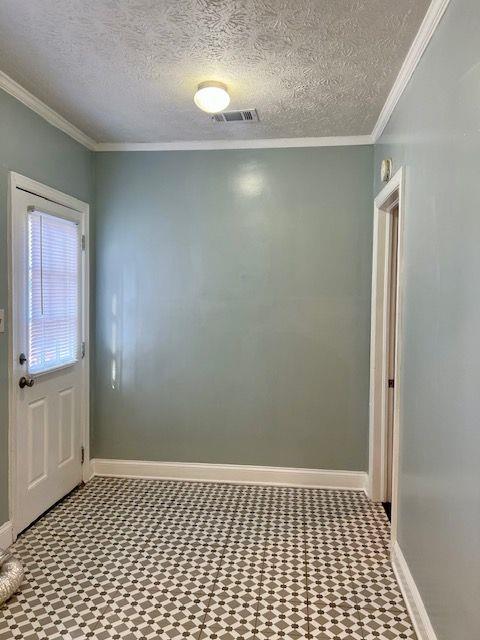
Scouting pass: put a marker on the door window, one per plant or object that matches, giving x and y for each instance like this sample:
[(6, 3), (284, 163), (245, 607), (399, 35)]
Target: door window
[(53, 283)]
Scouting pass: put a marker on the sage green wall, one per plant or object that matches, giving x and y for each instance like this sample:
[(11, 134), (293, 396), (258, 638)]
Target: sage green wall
[(435, 134), (233, 306), (32, 147)]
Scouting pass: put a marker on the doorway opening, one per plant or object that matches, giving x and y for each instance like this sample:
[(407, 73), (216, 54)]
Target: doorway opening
[(385, 353), (391, 344)]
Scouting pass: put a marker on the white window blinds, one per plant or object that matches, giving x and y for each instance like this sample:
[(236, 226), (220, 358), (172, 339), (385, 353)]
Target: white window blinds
[(53, 308)]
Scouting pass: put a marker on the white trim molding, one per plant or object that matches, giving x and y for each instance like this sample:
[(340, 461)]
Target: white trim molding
[(44, 191), (427, 29), (6, 535), (413, 600), (231, 473), (424, 35), (88, 471), (211, 145), (390, 196), (47, 113)]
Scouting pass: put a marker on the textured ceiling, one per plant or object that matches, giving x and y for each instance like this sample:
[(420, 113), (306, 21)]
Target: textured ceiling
[(126, 70)]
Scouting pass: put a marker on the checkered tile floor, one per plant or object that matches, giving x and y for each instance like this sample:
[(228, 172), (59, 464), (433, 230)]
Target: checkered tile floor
[(147, 559)]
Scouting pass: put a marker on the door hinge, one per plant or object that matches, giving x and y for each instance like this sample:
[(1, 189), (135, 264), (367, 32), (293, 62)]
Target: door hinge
[(83, 349), (391, 383), (84, 242), (82, 455)]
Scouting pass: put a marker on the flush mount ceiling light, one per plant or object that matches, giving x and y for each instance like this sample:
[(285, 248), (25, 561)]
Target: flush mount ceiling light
[(212, 96)]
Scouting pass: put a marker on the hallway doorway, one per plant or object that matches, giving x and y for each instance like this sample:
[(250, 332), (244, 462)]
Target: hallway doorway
[(392, 284), (384, 349)]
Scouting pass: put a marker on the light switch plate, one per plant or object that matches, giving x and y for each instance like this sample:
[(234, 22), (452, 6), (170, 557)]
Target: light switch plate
[(2, 320)]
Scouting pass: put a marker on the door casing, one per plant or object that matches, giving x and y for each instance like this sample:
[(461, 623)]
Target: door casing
[(392, 195), (15, 181)]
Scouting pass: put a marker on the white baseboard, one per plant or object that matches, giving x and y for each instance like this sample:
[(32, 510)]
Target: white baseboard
[(6, 535), (238, 474), (413, 599)]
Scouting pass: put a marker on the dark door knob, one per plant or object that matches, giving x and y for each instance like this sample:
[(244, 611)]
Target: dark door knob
[(26, 382)]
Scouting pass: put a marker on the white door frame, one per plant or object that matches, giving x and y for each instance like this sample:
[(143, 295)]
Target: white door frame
[(389, 197), (36, 188)]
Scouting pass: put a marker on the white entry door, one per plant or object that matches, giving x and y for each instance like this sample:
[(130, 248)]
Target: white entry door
[(48, 267)]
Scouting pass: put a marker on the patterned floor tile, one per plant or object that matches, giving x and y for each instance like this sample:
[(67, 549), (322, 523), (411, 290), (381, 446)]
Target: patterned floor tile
[(328, 588), (282, 618), (283, 609), (377, 589), (387, 625), (233, 607), (335, 624), (147, 559)]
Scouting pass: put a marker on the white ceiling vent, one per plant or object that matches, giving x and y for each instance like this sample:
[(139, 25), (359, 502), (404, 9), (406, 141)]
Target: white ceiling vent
[(242, 115)]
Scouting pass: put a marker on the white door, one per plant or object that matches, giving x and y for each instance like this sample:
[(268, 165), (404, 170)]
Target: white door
[(47, 333)]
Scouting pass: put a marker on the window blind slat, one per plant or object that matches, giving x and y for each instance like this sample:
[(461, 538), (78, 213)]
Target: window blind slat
[(53, 275)]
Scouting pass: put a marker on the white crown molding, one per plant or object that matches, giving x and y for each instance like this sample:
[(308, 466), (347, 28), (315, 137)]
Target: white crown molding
[(413, 600), (231, 473), (424, 35), (29, 100), (6, 535), (266, 143), (427, 29)]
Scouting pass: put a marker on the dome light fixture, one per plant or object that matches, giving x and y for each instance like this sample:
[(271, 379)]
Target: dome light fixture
[(211, 96)]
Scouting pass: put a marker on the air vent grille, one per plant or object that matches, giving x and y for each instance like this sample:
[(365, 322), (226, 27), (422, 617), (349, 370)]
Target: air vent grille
[(242, 115)]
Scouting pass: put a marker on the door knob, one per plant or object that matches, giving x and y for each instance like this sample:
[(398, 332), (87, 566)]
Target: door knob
[(26, 382)]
